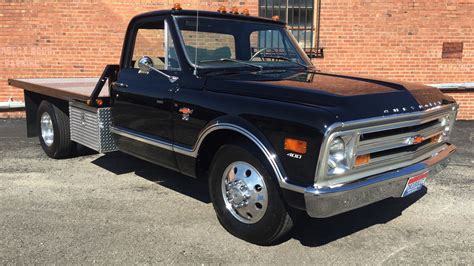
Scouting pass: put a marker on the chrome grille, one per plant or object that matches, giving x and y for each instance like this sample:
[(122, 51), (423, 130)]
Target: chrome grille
[(397, 141), (392, 142)]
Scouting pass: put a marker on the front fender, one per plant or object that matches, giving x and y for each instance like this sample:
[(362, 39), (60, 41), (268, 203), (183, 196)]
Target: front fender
[(265, 122), (249, 131)]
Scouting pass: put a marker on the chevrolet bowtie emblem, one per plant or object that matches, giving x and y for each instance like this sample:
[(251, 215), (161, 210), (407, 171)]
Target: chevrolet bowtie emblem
[(415, 140), (418, 139), (186, 112)]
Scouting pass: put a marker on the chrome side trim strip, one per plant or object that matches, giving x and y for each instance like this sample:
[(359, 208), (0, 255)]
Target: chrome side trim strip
[(271, 157), (131, 134)]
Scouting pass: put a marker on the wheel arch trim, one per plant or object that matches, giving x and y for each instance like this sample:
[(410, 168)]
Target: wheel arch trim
[(270, 155)]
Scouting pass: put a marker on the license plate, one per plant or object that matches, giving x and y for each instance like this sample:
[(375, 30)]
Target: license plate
[(414, 184)]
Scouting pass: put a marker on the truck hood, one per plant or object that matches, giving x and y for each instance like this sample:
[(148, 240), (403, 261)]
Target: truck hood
[(347, 97)]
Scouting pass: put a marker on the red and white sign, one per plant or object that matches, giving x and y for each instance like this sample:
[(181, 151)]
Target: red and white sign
[(414, 184)]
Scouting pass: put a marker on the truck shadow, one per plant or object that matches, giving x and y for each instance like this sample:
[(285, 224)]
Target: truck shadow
[(318, 232), (121, 163), (308, 231)]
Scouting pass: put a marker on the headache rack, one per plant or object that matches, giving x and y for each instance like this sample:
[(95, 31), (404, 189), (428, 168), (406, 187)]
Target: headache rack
[(389, 143), (90, 121)]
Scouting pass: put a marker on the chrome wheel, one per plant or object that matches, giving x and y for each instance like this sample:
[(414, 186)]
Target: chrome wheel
[(47, 131), (244, 192)]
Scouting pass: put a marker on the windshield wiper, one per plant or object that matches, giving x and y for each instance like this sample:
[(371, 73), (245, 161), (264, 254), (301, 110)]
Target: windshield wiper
[(235, 61), (289, 60)]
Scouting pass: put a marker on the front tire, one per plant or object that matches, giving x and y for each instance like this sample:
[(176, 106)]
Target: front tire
[(246, 196), (54, 133)]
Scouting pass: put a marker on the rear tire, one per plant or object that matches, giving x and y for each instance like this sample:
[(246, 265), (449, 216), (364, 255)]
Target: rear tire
[(54, 133), (246, 197)]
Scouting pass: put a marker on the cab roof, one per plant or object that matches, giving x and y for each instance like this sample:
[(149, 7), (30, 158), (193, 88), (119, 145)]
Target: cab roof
[(208, 14)]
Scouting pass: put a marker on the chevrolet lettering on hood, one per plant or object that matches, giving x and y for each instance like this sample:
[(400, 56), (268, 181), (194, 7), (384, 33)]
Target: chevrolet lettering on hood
[(413, 108)]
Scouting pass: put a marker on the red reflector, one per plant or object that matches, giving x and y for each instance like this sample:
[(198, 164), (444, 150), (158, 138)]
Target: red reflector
[(185, 110)]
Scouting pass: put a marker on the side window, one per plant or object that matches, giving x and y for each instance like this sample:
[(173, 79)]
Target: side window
[(208, 45), (154, 40)]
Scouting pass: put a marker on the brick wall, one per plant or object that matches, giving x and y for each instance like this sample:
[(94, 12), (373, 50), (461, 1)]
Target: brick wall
[(389, 39), (466, 101), (400, 39), (149, 42), (209, 41), (75, 38)]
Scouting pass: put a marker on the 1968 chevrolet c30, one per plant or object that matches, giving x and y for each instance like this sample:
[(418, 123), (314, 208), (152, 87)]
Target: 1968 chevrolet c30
[(233, 98)]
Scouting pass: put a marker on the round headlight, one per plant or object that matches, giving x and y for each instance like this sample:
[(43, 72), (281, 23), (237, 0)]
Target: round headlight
[(337, 145), (337, 153)]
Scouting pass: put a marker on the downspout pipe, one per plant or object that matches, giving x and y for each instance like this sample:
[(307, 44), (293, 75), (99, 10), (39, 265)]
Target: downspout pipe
[(11, 106)]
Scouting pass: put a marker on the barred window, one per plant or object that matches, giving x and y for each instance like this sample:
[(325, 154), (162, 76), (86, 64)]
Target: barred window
[(302, 17)]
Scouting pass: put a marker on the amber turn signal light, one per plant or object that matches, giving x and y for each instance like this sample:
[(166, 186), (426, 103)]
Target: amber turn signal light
[(295, 145), (222, 9), (98, 102), (176, 6), (435, 139), (234, 10), (362, 159), (276, 18)]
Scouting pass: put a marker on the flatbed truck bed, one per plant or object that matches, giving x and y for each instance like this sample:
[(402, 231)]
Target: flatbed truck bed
[(84, 100), (86, 90), (62, 88)]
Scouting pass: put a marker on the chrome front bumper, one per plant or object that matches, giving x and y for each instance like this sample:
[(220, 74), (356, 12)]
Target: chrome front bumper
[(329, 201)]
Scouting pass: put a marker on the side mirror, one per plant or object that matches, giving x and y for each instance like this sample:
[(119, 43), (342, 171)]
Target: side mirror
[(145, 64)]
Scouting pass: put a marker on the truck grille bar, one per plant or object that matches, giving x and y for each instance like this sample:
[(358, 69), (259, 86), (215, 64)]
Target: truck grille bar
[(387, 141), (396, 148)]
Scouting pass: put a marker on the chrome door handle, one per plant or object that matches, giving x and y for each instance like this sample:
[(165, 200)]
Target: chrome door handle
[(120, 85)]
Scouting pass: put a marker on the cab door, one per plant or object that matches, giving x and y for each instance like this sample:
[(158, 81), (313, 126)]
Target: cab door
[(143, 102)]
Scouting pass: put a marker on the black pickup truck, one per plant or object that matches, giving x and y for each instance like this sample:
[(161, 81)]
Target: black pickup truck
[(232, 98)]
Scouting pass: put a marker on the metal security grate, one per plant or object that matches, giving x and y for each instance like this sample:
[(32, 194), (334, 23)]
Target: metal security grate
[(302, 17)]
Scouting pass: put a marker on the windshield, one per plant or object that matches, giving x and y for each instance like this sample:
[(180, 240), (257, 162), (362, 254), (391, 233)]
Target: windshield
[(231, 43)]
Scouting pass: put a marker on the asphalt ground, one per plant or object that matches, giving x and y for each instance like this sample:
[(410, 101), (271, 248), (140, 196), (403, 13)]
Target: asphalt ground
[(115, 209)]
